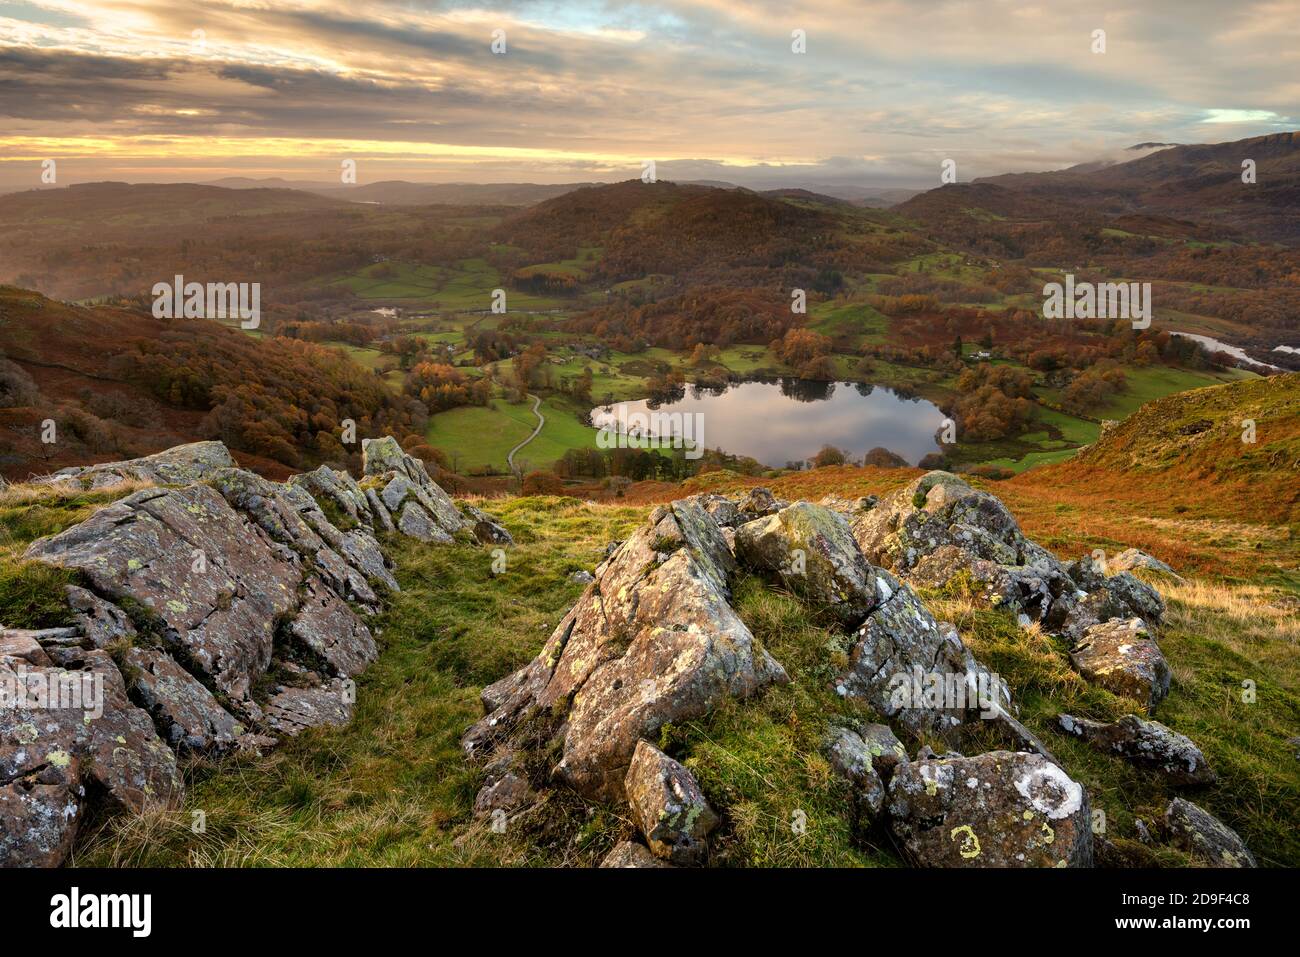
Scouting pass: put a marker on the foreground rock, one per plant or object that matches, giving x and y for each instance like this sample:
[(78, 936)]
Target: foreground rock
[(1000, 809), (668, 806), (811, 550), (1205, 837), (1148, 744), (1122, 657), (69, 731), (216, 602), (228, 579), (938, 528), (652, 640), (180, 465), (631, 854)]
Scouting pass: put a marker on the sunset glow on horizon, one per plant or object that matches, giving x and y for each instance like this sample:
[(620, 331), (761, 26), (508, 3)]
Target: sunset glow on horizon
[(587, 90)]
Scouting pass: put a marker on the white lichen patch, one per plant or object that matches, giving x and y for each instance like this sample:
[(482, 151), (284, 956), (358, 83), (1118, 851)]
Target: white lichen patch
[(1051, 791)]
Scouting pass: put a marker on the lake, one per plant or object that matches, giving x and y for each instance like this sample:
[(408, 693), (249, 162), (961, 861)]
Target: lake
[(1213, 345), (791, 419)]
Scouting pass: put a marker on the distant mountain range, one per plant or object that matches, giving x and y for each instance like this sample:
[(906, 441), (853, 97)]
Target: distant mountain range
[(1202, 183), (403, 193)]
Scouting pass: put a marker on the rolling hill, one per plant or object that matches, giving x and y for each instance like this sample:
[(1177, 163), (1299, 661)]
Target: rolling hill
[(118, 382), (1195, 182)]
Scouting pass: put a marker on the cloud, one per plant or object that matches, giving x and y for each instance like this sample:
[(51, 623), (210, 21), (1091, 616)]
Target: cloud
[(709, 88)]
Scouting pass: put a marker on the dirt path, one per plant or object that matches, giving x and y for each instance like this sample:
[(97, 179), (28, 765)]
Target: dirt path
[(541, 421)]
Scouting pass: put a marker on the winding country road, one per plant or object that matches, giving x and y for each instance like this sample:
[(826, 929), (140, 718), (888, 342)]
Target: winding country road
[(541, 421)]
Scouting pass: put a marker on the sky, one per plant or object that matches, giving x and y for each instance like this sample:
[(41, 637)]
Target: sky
[(884, 92)]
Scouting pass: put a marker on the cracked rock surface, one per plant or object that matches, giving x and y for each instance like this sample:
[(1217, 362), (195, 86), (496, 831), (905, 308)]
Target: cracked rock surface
[(201, 589)]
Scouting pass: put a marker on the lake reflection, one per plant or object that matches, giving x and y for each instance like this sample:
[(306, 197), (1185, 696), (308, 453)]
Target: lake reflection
[(791, 419)]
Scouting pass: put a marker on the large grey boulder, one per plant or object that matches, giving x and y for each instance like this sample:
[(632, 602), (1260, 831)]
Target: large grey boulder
[(999, 809), (68, 730), (811, 550), (1122, 657), (1204, 836), (1148, 744), (215, 584), (222, 578), (180, 465), (669, 806), (653, 640)]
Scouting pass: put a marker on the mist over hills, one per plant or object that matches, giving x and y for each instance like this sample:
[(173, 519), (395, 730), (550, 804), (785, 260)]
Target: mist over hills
[(1200, 182)]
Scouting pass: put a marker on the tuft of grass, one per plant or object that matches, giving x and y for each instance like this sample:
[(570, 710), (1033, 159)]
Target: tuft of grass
[(760, 761), (31, 594)]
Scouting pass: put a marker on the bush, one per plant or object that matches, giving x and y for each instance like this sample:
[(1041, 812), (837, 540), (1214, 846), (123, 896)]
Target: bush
[(882, 458), (829, 455), (542, 482)]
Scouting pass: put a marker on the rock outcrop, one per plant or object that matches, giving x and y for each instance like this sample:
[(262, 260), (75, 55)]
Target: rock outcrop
[(938, 528), (180, 465), (652, 640), (236, 608), (999, 809), (204, 588), (1148, 744), (1122, 657), (213, 584), (1204, 836)]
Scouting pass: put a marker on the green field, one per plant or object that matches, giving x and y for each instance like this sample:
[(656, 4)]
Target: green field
[(466, 286), (484, 436)]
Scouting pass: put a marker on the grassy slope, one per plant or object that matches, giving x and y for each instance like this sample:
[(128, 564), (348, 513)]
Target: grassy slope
[(484, 435), (393, 789)]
